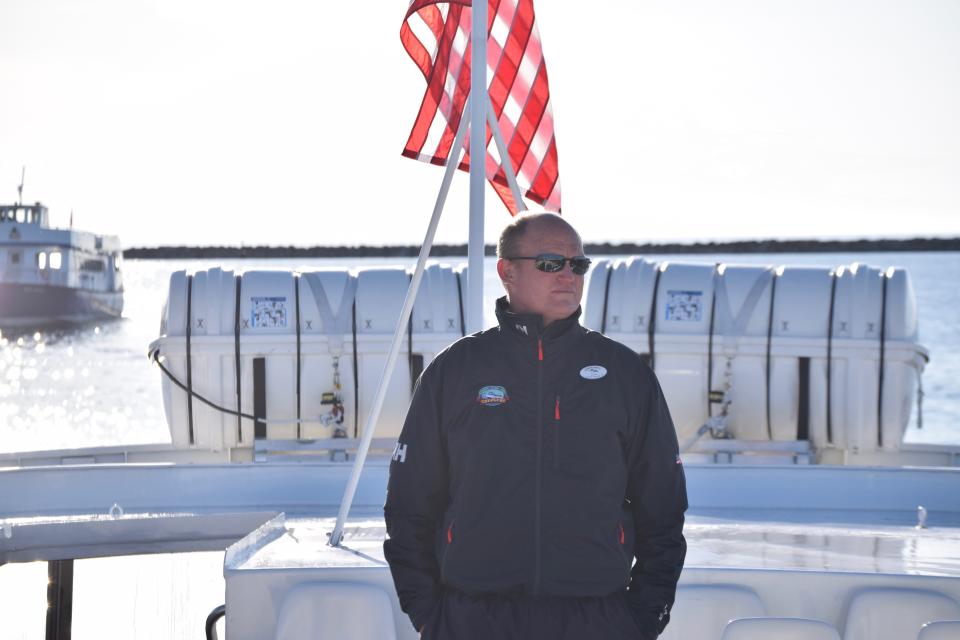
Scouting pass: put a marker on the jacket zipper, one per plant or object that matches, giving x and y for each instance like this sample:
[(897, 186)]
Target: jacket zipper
[(446, 548), (621, 538), (539, 424), (556, 434)]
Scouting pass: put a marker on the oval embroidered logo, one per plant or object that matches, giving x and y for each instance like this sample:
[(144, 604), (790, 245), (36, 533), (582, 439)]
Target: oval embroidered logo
[(492, 395), (593, 372)]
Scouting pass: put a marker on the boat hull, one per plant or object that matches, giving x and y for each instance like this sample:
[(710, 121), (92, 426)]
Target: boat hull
[(28, 305)]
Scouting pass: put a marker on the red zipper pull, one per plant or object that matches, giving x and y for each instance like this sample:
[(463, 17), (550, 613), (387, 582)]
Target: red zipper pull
[(556, 409), (540, 348), (621, 532), (450, 534)]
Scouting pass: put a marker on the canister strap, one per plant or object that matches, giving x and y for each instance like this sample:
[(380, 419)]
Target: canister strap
[(606, 297), (885, 277), (334, 325), (356, 375), (713, 314), (652, 324), (189, 332), (463, 324), (296, 291), (236, 354), (834, 276), (769, 362)]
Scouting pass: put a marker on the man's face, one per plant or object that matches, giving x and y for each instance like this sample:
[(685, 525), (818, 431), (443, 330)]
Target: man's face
[(551, 295)]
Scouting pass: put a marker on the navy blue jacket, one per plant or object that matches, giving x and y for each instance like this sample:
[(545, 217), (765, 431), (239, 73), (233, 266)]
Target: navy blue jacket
[(538, 462)]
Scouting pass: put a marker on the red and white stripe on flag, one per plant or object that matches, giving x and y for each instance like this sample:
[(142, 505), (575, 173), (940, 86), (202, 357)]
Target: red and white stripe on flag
[(436, 35)]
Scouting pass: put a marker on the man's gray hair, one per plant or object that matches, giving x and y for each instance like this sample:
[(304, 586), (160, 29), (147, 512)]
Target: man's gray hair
[(518, 227)]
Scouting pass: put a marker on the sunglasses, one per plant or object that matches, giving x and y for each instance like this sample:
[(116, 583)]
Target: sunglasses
[(553, 262)]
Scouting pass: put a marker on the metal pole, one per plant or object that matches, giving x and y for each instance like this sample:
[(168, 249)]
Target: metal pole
[(59, 599), (505, 161), (478, 162), (337, 535)]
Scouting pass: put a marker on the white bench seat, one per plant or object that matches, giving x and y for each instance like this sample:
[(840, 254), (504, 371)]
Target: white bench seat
[(879, 614), (942, 630), (702, 611)]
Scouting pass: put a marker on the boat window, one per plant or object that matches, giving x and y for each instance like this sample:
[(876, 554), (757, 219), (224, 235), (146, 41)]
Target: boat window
[(20, 215), (92, 265), (14, 257), (55, 259), (42, 260)]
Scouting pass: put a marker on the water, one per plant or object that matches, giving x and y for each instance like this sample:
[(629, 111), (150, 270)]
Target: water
[(94, 386)]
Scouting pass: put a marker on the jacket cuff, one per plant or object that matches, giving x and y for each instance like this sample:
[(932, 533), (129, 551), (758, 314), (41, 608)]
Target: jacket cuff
[(647, 628), (650, 619)]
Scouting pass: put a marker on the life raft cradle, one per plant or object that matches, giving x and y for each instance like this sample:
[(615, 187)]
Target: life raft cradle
[(716, 425), (720, 315), (334, 326)]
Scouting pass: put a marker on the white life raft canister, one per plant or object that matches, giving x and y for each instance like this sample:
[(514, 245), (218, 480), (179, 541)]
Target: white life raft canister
[(299, 353), (788, 353)]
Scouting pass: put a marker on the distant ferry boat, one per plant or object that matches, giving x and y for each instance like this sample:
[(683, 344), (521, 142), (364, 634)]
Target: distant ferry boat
[(52, 276)]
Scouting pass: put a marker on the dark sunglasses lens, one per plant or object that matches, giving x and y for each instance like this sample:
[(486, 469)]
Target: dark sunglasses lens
[(550, 263), (579, 265)]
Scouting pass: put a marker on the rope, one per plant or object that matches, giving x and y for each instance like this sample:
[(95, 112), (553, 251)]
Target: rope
[(155, 357)]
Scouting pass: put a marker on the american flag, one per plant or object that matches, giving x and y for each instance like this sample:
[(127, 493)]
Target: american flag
[(436, 35)]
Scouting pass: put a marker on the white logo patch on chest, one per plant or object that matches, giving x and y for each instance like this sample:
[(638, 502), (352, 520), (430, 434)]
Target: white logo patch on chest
[(593, 372)]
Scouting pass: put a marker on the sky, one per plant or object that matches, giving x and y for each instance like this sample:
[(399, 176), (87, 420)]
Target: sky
[(214, 122)]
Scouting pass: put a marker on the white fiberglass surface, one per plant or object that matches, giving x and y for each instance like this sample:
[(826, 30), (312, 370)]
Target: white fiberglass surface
[(713, 541), (867, 548), (304, 544)]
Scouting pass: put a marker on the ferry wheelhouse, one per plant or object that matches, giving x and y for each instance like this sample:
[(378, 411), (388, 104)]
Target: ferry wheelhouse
[(52, 276)]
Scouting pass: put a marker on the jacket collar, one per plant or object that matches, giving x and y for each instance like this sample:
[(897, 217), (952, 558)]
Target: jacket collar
[(530, 325)]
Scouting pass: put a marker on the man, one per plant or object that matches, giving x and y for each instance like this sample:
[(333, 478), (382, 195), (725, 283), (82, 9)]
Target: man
[(538, 459)]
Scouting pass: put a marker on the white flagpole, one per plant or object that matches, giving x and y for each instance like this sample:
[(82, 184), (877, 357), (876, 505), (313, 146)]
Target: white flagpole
[(505, 161), (369, 426), (478, 161)]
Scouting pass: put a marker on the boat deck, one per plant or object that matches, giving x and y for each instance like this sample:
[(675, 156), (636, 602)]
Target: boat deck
[(737, 566)]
